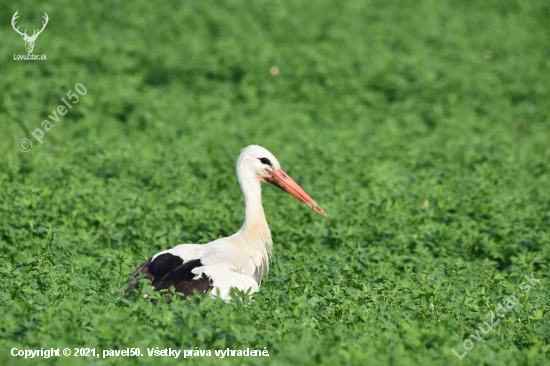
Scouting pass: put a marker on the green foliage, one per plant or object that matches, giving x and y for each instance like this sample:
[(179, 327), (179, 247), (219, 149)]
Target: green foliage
[(421, 128)]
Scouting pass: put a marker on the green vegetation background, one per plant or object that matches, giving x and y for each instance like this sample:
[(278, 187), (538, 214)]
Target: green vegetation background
[(421, 127)]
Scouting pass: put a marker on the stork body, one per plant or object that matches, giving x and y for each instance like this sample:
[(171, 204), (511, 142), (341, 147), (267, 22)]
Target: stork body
[(240, 260)]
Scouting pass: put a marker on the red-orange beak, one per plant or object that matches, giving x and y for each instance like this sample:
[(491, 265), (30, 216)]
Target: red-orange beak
[(282, 180)]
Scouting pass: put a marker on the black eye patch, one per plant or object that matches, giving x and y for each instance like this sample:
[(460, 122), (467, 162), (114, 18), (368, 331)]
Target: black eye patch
[(265, 161)]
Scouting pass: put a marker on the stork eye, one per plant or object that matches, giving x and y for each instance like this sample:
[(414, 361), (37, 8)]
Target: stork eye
[(265, 161)]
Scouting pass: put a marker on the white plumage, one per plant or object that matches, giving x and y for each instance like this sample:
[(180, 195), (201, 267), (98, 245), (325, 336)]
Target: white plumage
[(240, 260)]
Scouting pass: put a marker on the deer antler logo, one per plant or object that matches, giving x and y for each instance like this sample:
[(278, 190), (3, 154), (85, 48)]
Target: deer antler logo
[(29, 41)]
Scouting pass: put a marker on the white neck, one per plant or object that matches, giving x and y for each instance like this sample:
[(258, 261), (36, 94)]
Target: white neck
[(254, 236), (254, 212)]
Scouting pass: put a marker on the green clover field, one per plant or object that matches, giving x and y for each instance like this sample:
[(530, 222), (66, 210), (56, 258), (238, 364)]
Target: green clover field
[(421, 128)]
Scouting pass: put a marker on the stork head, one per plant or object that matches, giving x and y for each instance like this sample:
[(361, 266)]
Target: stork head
[(266, 168)]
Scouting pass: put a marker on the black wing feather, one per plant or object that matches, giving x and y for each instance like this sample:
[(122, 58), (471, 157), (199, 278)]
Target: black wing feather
[(141, 270), (164, 263), (168, 270)]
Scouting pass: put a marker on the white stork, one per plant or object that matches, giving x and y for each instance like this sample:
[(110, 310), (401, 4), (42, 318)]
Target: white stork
[(239, 260)]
